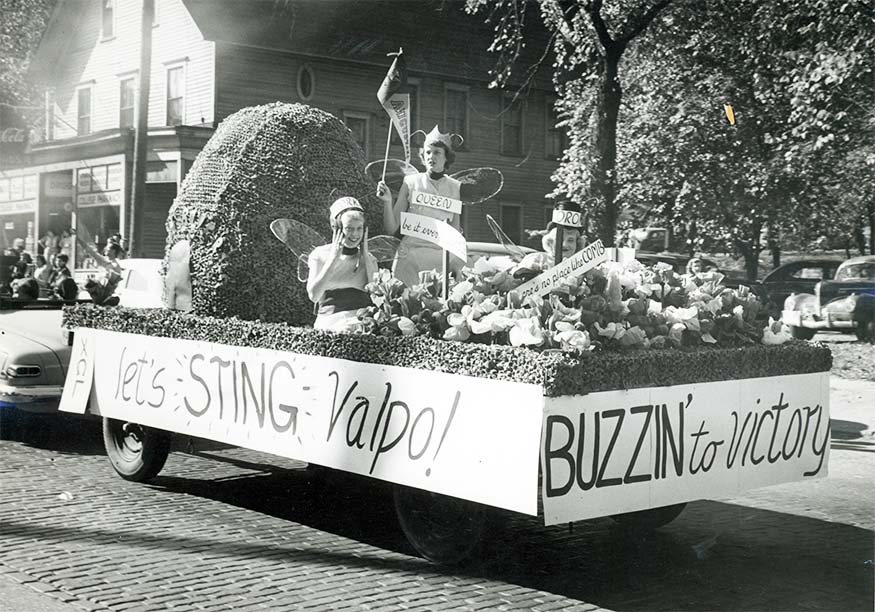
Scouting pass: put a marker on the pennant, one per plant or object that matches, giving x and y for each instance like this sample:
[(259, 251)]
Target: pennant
[(397, 104)]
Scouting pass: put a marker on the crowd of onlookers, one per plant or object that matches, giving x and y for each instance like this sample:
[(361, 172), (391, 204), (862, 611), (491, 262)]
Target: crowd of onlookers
[(46, 275)]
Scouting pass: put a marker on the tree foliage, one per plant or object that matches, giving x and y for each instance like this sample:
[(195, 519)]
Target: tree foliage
[(798, 74), (21, 28), (588, 39)]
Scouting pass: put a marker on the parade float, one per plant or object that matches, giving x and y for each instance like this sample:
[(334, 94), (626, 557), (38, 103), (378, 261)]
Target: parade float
[(598, 388)]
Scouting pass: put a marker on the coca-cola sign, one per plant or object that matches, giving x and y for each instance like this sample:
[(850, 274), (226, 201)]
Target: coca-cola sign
[(14, 136)]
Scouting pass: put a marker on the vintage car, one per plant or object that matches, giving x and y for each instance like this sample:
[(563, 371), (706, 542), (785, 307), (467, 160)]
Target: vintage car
[(845, 303), (800, 276), (35, 350)]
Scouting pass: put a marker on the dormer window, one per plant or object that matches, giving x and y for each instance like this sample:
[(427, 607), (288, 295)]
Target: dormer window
[(108, 19)]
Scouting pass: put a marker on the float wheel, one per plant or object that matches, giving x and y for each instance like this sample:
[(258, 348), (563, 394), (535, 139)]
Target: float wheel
[(444, 530), (652, 518), (136, 452)]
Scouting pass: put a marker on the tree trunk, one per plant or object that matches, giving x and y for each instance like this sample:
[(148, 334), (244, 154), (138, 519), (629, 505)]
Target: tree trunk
[(604, 168), (750, 250)]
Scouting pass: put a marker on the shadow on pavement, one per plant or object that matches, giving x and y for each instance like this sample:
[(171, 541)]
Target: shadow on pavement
[(715, 556), (60, 432)]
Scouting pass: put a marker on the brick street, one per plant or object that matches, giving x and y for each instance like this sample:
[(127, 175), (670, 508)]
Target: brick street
[(221, 530)]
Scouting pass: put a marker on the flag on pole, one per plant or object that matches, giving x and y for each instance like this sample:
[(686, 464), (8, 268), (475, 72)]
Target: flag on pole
[(397, 104)]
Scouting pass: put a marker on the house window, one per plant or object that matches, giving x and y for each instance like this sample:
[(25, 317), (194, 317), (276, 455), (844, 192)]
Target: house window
[(175, 95), (107, 19), (83, 111), (548, 215), (455, 111), (306, 82), (126, 101), (359, 125), (556, 141), (511, 126), (511, 221)]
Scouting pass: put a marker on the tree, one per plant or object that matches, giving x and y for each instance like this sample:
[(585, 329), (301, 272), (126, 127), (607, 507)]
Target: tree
[(588, 39), (21, 28), (786, 168)]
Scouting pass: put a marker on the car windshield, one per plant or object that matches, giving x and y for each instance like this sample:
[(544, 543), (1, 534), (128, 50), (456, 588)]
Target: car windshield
[(864, 270)]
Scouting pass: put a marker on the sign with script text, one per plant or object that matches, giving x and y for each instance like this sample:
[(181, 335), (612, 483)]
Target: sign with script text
[(433, 200), (441, 432), (622, 451), (584, 260), (436, 232)]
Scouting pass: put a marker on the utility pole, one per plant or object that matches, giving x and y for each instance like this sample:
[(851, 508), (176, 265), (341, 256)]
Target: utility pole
[(141, 134)]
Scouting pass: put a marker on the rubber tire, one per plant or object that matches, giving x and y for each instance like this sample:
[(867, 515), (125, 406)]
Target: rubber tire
[(139, 454), (445, 530), (650, 519), (865, 330), (802, 333)]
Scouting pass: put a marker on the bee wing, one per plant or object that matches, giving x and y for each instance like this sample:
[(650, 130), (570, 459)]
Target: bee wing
[(479, 184), (396, 170), (299, 238), (384, 248), (303, 267), (513, 250)]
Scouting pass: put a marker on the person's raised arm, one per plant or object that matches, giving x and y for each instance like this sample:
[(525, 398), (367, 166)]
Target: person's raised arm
[(322, 271), (392, 214)]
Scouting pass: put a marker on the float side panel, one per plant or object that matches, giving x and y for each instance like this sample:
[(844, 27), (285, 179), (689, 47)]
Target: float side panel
[(467, 437), (622, 451)]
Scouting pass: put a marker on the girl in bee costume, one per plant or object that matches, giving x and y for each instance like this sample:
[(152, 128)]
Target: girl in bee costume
[(339, 271), (437, 155)]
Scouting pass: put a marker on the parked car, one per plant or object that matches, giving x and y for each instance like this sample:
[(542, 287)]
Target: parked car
[(35, 349), (34, 354), (797, 277), (846, 303)]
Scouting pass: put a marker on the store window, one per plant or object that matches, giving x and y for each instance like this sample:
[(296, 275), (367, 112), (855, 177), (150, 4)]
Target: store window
[(83, 111), (175, 95), (98, 202), (511, 220), (127, 98), (511, 125), (107, 19), (455, 111), (359, 125), (17, 212)]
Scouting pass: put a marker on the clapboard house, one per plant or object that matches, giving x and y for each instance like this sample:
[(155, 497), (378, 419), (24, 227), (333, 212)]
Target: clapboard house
[(213, 57)]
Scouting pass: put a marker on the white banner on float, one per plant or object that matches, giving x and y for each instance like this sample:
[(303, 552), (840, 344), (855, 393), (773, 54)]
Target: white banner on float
[(622, 451), (586, 259), (441, 432), (437, 232)]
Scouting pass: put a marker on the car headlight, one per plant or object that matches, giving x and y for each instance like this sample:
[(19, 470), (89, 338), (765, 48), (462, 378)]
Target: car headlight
[(22, 371)]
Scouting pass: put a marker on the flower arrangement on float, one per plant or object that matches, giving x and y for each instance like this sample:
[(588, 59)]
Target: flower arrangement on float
[(613, 306)]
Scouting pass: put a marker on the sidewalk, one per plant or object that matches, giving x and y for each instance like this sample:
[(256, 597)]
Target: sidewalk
[(852, 407)]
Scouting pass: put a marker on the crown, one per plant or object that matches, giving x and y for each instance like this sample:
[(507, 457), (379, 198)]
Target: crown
[(435, 136), (341, 205)]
